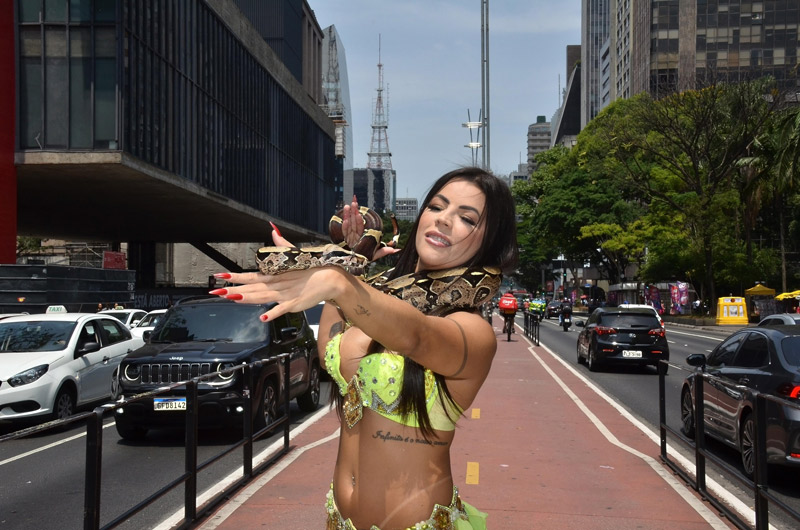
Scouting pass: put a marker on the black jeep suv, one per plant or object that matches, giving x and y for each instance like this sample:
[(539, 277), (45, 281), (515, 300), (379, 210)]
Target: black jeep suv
[(205, 335)]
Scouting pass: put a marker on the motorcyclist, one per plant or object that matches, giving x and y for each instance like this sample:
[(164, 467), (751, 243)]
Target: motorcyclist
[(507, 306), (566, 310)]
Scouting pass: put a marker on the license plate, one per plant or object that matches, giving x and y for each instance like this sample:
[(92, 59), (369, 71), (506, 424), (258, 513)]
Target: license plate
[(160, 404), (632, 353)]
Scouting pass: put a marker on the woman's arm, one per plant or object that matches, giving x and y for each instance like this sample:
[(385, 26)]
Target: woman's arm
[(460, 345)]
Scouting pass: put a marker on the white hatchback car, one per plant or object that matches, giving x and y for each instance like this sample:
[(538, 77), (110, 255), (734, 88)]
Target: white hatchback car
[(52, 363), (129, 317), (148, 322), (644, 306)]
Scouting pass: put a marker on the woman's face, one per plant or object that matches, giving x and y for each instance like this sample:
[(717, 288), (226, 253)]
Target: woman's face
[(451, 227)]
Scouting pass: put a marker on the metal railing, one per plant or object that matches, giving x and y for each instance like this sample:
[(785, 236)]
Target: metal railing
[(94, 445), (762, 497), (531, 326)]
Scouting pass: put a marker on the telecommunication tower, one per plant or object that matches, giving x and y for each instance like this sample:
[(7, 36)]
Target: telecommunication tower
[(379, 155)]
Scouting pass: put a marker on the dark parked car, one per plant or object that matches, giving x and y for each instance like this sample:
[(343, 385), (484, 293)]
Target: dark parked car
[(206, 335), (766, 360), (780, 319), (622, 336)]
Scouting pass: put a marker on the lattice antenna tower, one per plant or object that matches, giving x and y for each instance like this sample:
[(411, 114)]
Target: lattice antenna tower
[(379, 155)]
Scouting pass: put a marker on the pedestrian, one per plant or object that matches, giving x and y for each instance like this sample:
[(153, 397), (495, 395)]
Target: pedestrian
[(99, 307), (404, 376)]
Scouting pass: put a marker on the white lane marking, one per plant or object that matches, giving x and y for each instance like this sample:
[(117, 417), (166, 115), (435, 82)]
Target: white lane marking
[(672, 331), (48, 446), (230, 506), (678, 486)]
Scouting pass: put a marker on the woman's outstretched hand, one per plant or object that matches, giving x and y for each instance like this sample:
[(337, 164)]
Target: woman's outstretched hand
[(293, 291), (353, 229)]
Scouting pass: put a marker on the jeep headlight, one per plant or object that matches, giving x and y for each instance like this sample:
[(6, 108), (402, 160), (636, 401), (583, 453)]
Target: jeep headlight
[(28, 376), (132, 372), (226, 371)]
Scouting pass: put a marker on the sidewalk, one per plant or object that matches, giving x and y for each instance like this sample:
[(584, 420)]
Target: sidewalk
[(538, 449)]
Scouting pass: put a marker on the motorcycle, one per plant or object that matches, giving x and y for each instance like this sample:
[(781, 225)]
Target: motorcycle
[(566, 322)]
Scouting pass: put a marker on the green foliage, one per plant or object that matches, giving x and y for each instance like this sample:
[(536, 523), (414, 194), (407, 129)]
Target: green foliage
[(27, 246), (679, 186)]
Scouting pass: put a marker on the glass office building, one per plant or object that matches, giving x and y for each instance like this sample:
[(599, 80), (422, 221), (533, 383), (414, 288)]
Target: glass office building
[(172, 85)]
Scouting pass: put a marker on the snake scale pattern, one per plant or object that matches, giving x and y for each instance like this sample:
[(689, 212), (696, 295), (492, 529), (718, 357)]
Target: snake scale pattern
[(431, 292)]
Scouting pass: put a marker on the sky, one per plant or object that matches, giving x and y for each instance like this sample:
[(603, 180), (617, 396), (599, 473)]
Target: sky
[(431, 55)]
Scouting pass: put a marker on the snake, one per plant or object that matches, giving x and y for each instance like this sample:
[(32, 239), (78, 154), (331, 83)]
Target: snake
[(432, 292)]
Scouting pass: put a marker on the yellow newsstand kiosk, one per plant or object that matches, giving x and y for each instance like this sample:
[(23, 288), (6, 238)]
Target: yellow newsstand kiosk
[(731, 310)]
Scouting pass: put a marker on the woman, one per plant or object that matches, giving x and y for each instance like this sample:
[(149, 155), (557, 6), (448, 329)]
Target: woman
[(404, 375)]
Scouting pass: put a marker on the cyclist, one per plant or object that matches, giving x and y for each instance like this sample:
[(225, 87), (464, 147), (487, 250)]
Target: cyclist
[(508, 308)]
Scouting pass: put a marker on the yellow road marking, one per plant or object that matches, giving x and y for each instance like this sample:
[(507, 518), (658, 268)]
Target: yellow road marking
[(476, 414), (472, 473)]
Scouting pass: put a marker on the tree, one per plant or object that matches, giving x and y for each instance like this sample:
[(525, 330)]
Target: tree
[(683, 150)]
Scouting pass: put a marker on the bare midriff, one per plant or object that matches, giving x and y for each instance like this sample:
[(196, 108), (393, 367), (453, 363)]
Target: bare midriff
[(388, 475)]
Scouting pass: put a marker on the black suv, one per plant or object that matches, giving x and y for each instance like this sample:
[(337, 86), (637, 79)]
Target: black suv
[(206, 335), (622, 336)]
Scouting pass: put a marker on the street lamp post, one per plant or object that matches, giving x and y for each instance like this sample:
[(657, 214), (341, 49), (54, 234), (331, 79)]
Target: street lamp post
[(474, 144)]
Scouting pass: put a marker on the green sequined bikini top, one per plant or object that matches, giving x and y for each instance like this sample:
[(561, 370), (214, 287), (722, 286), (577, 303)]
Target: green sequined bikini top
[(377, 385)]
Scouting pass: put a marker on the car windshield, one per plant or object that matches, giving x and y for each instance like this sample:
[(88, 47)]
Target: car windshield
[(202, 322), (122, 316), (791, 350), (34, 336), (150, 320), (629, 320)]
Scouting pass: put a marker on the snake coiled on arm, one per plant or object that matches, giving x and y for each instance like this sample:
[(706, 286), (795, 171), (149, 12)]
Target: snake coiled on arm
[(429, 291)]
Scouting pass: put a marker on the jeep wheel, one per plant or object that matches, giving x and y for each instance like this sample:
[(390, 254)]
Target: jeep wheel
[(126, 431), (267, 405), (309, 401)]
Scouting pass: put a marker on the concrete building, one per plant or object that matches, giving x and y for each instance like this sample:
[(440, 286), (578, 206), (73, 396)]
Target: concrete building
[(336, 103), (520, 174), (374, 188), (539, 135), (158, 123), (406, 209), (594, 33), (670, 45)]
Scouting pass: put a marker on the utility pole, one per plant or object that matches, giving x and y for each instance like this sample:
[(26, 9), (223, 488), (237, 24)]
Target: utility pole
[(485, 82)]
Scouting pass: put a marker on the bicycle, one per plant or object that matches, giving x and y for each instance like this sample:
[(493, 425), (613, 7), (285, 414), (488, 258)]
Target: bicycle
[(508, 325)]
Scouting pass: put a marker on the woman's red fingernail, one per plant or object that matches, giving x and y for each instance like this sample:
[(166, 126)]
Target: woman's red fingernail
[(218, 291), (275, 228), (234, 296), (264, 317), (222, 276)]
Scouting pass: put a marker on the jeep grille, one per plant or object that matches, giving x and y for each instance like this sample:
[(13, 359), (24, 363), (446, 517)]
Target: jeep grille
[(164, 374)]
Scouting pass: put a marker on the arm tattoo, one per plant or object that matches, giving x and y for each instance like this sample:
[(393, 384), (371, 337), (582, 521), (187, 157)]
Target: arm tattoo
[(466, 355), (336, 328), (361, 310)]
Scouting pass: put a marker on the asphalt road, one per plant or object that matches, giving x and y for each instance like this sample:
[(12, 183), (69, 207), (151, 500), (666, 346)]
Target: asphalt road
[(636, 389), (43, 475)]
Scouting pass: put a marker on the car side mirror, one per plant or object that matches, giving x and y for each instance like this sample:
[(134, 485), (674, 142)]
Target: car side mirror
[(89, 347), (146, 335), (696, 359), (580, 323), (288, 333)]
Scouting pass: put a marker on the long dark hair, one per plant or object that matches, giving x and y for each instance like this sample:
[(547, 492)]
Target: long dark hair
[(498, 248)]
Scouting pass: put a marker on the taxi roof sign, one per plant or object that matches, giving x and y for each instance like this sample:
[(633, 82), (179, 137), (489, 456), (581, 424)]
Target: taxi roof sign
[(56, 309)]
